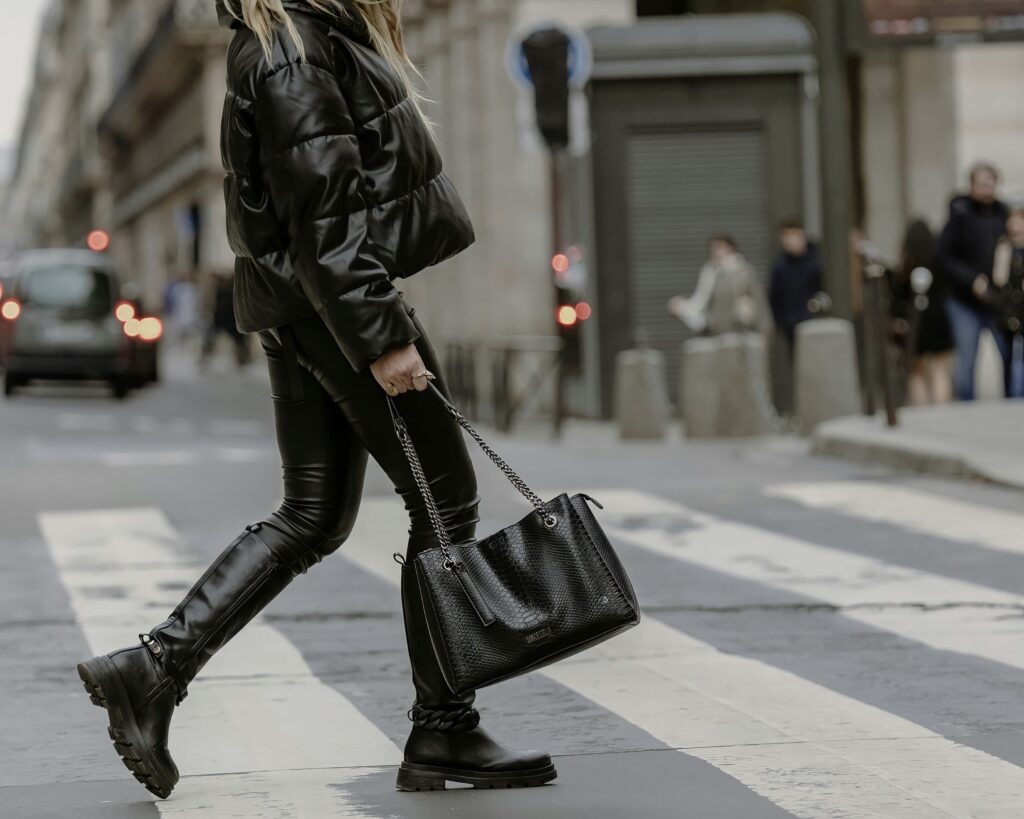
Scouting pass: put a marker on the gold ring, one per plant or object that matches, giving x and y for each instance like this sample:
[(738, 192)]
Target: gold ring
[(391, 389)]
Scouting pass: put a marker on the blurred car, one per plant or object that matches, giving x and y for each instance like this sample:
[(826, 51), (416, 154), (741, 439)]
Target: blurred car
[(5, 287), (63, 318)]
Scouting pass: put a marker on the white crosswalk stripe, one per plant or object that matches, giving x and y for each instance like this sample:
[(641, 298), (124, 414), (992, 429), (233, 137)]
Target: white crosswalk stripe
[(810, 750), (261, 712), (940, 612), (262, 736), (913, 510)]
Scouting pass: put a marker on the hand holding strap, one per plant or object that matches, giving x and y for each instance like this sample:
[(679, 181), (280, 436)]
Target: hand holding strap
[(436, 520)]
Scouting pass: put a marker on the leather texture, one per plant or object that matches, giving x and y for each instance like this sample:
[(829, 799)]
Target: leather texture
[(529, 595), (553, 592), (257, 566), (446, 727), (436, 706), (325, 431), (469, 751), (325, 436), (334, 185), (152, 701)]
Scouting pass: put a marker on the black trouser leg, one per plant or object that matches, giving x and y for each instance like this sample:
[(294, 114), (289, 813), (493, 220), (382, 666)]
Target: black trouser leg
[(323, 465), (446, 463), (436, 705), (446, 741)]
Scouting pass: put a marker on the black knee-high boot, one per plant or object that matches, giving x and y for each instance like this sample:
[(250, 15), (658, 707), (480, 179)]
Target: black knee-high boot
[(140, 685), (447, 742)]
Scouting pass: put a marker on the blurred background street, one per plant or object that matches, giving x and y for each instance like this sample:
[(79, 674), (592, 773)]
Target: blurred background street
[(750, 272)]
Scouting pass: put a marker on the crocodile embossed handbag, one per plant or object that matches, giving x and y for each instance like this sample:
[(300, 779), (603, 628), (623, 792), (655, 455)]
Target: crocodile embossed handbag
[(540, 590)]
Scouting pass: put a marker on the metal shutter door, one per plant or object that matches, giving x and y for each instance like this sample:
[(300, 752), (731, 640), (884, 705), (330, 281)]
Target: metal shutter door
[(684, 188)]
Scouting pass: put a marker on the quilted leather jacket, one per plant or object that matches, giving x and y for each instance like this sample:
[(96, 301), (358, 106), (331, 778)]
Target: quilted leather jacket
[(334, 186)]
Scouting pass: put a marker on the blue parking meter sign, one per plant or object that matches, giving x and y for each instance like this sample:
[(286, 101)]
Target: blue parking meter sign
[(581, 55)]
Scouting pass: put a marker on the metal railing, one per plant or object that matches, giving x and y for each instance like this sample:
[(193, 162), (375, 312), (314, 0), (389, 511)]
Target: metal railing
[(532, 360)]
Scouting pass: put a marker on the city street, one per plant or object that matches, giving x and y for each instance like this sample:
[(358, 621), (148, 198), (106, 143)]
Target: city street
[(820, 639)]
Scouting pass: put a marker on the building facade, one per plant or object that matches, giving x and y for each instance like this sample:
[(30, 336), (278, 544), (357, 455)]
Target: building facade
[(161, 136), (58, 188), (122, 133), (146, 167)]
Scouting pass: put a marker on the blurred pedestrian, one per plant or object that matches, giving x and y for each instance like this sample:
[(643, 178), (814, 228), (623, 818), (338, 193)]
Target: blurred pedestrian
[(919, 294), (1008, 286), (222, 322), (334, 188), (966, 254), (182, 315), (729, 297), (795, 287)]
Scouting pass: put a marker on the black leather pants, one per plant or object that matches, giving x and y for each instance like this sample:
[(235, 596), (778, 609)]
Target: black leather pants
[(329, 418)]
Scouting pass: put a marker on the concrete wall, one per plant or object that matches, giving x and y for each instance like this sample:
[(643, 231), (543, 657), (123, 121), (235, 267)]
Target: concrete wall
[(990, 111), (502, 285), (909, 140)]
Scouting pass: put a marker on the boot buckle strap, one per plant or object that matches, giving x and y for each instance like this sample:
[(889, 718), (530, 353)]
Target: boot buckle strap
[(156, 650)]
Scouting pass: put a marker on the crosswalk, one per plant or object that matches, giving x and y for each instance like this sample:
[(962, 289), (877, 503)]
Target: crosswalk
[(263, 735), (123, 570)]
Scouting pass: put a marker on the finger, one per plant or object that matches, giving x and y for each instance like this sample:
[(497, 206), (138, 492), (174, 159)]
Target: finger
[(421, 383)]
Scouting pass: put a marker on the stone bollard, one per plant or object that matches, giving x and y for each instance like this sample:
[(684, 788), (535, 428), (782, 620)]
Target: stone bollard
[(827, 385), (699, 387), (745, 406), (641, 398)]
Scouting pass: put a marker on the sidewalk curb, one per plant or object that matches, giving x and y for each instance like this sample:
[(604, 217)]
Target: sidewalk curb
[(867, 441)]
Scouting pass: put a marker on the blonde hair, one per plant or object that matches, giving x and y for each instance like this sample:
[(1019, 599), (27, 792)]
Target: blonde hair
[(383, 19)]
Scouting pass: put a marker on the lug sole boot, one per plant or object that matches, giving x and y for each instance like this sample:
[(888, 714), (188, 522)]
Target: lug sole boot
[(138, 727), (447, 743), (141, 685)]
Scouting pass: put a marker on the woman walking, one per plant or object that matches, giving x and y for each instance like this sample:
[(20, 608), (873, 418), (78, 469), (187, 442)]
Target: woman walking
[(930, 374), (334, 187)]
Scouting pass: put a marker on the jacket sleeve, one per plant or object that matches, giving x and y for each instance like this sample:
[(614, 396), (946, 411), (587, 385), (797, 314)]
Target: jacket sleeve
[(960, 272), (310, 159)]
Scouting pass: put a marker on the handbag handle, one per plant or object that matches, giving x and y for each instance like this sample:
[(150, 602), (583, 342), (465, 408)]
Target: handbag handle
[(436, 521)]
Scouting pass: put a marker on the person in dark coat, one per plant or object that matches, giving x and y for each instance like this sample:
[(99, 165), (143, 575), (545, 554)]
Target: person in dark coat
[(334, 189), (796, 280), (222, 321), (930, 377), (1008, 298), (966, 255)]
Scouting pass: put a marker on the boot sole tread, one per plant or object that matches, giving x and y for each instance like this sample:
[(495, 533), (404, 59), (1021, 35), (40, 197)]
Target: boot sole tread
[(413, 778), (133, 754)]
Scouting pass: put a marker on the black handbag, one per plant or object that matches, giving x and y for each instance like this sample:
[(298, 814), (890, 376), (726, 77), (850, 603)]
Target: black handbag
[(542, 589)]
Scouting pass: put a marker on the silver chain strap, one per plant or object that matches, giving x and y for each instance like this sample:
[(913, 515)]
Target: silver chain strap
[(402, 431)]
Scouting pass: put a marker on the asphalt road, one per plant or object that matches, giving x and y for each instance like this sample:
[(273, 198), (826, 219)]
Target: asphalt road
[(819, 640)]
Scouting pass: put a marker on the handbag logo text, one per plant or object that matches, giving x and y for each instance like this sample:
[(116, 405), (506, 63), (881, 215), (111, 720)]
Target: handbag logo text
[(542, 634)]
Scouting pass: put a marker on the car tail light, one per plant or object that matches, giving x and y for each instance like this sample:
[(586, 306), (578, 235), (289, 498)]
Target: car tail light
[(124, 311), (150, 329), (11, 309), (567, 315), (145, 329)]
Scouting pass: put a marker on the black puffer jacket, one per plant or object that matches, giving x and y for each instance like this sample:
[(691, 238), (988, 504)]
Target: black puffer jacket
[(334, 186)]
